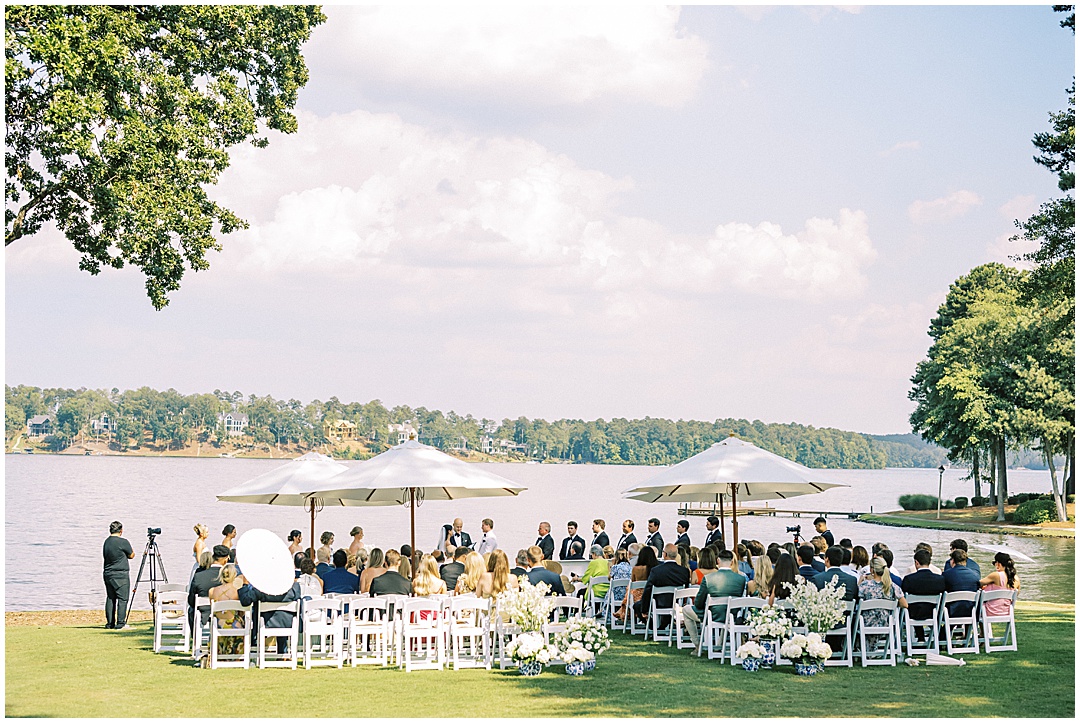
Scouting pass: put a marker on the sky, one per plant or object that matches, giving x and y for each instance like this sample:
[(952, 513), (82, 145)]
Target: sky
[(591, 212)]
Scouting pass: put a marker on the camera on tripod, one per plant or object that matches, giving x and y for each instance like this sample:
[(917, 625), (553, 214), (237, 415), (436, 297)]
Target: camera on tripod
[(151, 531), (795, 530)]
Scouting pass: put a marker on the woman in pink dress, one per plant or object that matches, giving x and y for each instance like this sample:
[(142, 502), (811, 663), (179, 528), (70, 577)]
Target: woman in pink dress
[(1002, 578)]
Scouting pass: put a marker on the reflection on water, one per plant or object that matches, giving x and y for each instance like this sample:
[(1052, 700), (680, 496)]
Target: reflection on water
[(59, 509)]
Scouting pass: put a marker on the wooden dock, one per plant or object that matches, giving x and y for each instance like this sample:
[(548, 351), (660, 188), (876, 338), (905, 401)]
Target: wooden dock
[(706, 509)]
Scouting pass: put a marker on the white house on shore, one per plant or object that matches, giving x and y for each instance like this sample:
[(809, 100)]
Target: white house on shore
[(236, 423), (404, 432), (39, 425)]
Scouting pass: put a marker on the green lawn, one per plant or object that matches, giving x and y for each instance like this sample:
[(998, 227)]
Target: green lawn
[(92, 672)]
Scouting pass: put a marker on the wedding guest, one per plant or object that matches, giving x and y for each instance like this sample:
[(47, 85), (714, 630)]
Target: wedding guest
[(538, 573), (202, 581), (959, 544), (339, 579), (427, 581), (357, 544), (311, 585), (249, 595), (860, 560), (322, 561), (706, 564), (1002, 578), (620, 570), (468, 580), (924, 581), (784, 577), (391, 582), (879, 586), (609, 554), (746, 567), (726, 581), (598, 567), (834, 556), (646, 561), (820, 545), (521, 564), (451, 571), (806, 557), (763, 572), (930, 551), (230, 619), (959, 577), (376, 566), (887, 555), (669, 573), (497, 578)]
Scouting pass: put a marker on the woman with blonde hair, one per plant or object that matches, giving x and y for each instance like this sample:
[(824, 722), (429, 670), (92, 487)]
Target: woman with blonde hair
[(327, 539), (497, 577), (427, 580), (763, 571), (227, 590), (201, 533), (878, 585), (357, 543), (404, 567), (474, 569)]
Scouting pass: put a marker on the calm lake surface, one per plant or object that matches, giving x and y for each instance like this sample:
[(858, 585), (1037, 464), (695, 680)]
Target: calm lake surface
[(59, 509)]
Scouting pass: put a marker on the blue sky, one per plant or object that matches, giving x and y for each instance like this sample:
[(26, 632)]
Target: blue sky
[(592, 212)]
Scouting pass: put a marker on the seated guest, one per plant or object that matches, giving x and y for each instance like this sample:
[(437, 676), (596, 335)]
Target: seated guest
[(521, 564), (846, 543), (497, 578), (609, 554), (1002, 578), (887, 555), (763, 572), (297, 559), (667, 574), (322, 561), (339, 579), (774, 552), (706, 565), (362, 558), (682, 556), (847, 566), (878, 586), (376, 566), (249, 595), (727, 581), (806, 557), (406, 551), (391, 582), (538, 573), (930, 551), (791, 550), (959, 544), (451, 571), (924, 581), (694, 553), (468, 580), (820, 545), (860, 560), (646, 561), (557, 568), (204, 580), (784, 577), (311, 585), (573, 546), (742, 556), (833, 558), (960, 578), (227, 590), (440, 558), (404, 567), (427, 580), (683, 527), (598, 567), (632, 552), (620, 570)]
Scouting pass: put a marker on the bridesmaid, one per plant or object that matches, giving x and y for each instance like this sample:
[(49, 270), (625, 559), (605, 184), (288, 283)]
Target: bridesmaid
[(201, 532), (295, 539), (229, 541), (357, 540)]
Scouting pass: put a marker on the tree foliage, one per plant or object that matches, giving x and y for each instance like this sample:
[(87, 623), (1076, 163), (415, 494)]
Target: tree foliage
[(119, 117)]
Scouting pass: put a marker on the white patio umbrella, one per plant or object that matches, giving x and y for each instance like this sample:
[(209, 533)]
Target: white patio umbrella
[(289, 485), (410, 474), (731, 469), (1015, 554)]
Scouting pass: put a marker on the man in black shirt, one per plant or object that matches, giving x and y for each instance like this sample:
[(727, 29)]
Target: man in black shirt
[(821, 525), (117, 551)]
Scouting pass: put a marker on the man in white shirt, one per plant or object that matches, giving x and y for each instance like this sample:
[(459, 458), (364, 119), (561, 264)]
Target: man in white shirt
[(932, 567), (487, 542)]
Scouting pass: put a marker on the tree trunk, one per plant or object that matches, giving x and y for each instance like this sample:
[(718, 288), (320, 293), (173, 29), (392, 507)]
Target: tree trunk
[(1070, 469), (975, 472), (1059, 498), (991, 455), (999, 451)]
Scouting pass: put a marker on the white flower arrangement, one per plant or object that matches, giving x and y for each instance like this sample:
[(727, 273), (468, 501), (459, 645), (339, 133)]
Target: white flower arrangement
[(769, 622), (819, 610), (750, 649), (576, 652), (587, 633), (809, 648), (528, 607), (530, 647)]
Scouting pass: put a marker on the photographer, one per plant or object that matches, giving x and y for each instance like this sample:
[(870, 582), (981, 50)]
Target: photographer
[(117, 551)]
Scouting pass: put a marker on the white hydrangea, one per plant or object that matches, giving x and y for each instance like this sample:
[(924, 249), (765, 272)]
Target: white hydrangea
[(528, 647), (575, 652), (769, 622), (587, 633), (750, 649)]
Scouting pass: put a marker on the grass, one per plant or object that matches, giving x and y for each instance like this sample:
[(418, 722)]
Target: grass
[(91, 672)]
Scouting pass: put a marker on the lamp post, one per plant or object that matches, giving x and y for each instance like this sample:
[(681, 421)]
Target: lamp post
[(941, 474)]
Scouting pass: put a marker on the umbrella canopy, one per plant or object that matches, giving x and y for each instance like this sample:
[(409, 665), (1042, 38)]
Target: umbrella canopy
[(265, 560), (411, 473), (731, 470), (1014, 554)]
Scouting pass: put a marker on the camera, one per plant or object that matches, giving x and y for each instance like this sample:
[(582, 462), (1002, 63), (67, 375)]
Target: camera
[(797, 529), (151, 531)]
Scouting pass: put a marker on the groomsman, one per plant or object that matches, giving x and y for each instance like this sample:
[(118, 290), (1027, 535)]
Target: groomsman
[(712, 524), (573, 546), (599, 536), (628, 538), (683, 538), (487, 542), (654, 539), (544, 541)]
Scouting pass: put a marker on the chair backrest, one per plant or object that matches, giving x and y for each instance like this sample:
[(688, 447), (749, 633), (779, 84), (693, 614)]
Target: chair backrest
[(170, 599), (712, 600), (684, 597), (657, 591), (222, 605), (422, 611), (959, 596), (324, 603), (877, 604), (369, 609), (929, 599), (567, 606), (272, 607), (988, 595), (461, 603), (171, 587), (619, 582)]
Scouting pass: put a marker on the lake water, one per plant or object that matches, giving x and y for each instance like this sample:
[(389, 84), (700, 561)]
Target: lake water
[(59, 509)]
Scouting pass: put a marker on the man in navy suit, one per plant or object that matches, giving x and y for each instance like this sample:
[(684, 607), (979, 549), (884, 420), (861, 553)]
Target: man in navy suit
[(834, 558), (599, 535), (683, 539), (628, 538), (573, 547), (712, 524), (959, 577), (340, 580), (277, 619), (654, 540), (959, 544), (544, 541), (538, 573), (668, 573), (203, 581), (806, 560), (923, 581)]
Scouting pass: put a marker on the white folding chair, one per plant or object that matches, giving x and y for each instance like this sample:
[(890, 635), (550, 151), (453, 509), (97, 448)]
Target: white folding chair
[(713, 630), (630, 622), (609, 600), (884, 634), (927, 625), (395, 612), (845, 655), (594, 604), (566, 607), (1007, 641), (170, 621), (738, 608), (323, 619), (652, 622), (967, 625), (291, 634), (505, 633), (422, 635), (200, 631), (242, 634), (681, 635), (369, 626), (172, 587), (789, 608), (469, 627)]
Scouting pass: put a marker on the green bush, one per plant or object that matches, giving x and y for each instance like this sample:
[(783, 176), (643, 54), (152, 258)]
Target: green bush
[(1035, 512), (1009, 516), (1070, 499), (948, 504), (918, 502), (960, 502), (978, 501)]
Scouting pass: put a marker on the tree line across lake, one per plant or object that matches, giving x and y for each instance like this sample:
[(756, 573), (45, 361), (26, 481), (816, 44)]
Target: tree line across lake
[(169, 419)]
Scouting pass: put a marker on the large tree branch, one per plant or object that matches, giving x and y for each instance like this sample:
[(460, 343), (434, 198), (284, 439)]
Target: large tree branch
[(18, 224)]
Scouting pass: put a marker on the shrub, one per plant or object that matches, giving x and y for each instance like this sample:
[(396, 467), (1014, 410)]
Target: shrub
[(1035, 512), (918, 502), (1070, 499), (947, 504), (961, 502), (1013, 500), (978, 501), (1008, 516)]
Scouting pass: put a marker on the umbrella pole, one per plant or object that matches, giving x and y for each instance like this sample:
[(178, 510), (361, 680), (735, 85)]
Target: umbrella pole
[(311, 540), (734, 517), (412, 530), (722, 544)]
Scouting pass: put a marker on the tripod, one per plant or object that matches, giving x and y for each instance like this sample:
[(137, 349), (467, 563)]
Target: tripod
[(153, 554)]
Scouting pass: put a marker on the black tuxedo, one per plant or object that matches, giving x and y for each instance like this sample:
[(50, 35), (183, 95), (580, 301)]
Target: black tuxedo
[(666, 574), (450, 572), (601, 539), (565, 552), (683, 539), (200, 587), (546, 545), (712, 537), (625, 541), (656, 542), (922, 582), (460, 539)]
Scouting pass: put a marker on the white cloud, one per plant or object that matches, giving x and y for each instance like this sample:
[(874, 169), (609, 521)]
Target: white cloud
[(944, 209), (364, 190), (901, 146), (537, 54), (1003, 249)]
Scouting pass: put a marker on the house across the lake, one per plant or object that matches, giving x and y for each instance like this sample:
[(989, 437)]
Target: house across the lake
[(339, 430), (236, 423), (39, 425)]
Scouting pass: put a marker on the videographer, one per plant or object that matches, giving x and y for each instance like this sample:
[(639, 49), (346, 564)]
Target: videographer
[(821, 526), (116, 551)]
